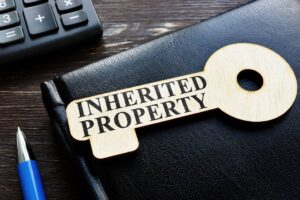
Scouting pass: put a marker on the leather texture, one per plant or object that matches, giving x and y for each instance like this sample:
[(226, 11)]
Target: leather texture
[(207, 156)]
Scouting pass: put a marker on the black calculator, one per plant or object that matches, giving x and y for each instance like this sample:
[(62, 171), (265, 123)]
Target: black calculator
[(31, 27)]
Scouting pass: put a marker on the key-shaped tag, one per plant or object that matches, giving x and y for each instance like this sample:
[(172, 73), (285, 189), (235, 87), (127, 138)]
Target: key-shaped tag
[(110, 120)]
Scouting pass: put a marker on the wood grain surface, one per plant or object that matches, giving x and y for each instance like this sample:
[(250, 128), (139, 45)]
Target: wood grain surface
[(127, 23)]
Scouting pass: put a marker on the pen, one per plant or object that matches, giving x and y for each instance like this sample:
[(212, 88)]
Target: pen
[(30, 179)]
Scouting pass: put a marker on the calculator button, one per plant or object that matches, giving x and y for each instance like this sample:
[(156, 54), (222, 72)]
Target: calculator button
[(6, 5), (28, 2), (9, 19), (74, 18), (11, 35), (66, 5), (40, 19)]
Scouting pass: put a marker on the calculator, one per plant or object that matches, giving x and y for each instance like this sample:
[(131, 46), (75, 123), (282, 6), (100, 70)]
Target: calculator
[(31, 27)]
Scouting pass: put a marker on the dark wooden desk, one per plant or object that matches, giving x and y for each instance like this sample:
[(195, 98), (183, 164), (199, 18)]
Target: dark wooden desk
[(127, 23)]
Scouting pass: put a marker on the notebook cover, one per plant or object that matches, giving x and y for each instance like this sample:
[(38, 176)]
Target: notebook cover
[(206, 156)]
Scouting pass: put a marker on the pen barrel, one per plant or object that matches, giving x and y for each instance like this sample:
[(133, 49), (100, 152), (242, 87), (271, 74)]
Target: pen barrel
[(31, 182)]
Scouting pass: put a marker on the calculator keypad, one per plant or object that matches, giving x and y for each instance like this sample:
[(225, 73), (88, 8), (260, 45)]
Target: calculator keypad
[(40, 19), (6, 5), (74, 18), (67, 5), (30, 27), (9, 19), (11, 35), (39, 15)]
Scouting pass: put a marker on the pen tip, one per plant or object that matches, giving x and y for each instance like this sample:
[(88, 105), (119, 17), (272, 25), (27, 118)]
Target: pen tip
[(19, 131), (20, 136), (23, 148)]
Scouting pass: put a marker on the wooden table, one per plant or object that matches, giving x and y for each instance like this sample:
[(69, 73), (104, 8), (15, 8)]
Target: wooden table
[(127, 23)]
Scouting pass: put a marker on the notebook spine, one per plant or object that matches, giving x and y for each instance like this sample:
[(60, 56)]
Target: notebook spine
[(56, 111)]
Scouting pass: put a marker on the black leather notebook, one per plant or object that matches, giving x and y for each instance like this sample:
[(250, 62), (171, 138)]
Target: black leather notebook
[(205, 156)]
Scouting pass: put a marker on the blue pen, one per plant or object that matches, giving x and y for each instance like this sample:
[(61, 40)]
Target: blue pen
[(30, 179)]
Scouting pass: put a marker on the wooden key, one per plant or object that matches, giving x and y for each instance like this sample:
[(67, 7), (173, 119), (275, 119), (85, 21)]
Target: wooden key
[(109, 120)]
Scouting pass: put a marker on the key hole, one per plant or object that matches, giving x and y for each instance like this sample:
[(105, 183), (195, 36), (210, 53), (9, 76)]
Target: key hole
[(250, 80)]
